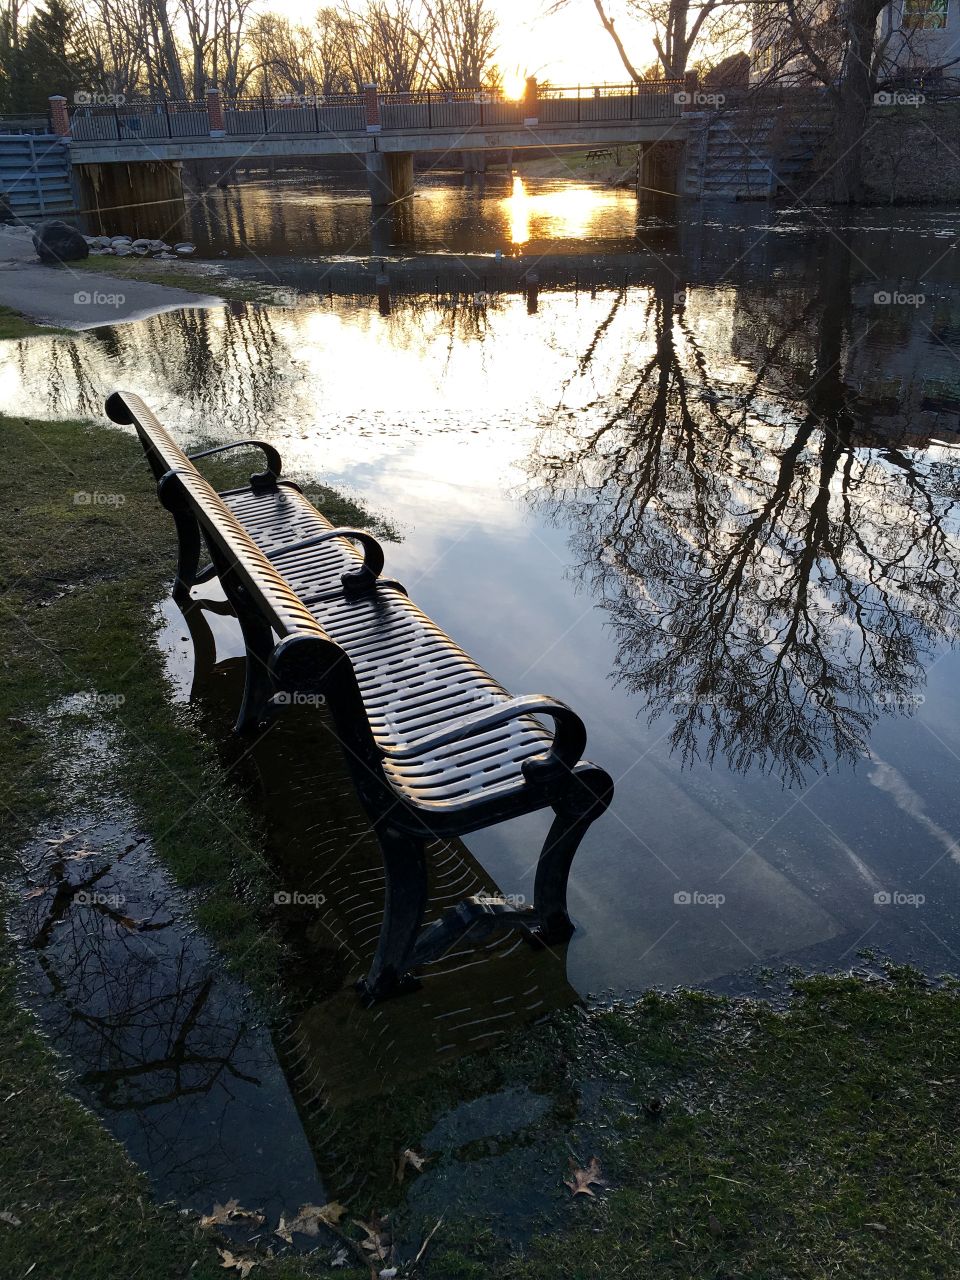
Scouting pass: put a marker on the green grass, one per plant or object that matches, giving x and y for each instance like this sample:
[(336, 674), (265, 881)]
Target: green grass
[(13, 325), (79, 581), (821, 1141), (817, 1141)]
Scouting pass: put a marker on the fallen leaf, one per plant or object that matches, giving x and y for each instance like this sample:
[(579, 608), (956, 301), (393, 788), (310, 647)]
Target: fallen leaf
[(378, 1242), (875, 1226), (64, 838), (38, 892), (584, 1178), (229, 1212), (410, 1157), (309, 1219), (10, 1219), (340, 1259), (232, 1262)]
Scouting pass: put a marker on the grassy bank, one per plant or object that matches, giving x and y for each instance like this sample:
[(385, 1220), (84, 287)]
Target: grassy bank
[(86, 553), (194, 277), (13, 325), (734, 1140), (608, 166)]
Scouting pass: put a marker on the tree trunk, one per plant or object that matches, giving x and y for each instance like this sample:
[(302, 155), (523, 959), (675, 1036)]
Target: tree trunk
[(855, 97)]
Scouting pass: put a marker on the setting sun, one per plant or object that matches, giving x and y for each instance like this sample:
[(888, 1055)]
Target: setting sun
[(514, 85)]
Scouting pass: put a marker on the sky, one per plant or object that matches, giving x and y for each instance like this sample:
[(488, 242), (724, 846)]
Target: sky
[(568, 48)]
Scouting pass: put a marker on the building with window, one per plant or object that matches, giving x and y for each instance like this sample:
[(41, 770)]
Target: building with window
[(917, 43)]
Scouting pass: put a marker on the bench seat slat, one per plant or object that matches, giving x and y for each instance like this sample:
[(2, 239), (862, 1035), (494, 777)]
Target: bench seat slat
[(412, 676)]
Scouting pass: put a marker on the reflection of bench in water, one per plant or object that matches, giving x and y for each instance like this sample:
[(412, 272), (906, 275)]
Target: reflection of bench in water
[(434, 746), (324, 848)]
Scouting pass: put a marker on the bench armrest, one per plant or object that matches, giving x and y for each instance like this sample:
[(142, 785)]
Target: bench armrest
[(569, 740), (355, 580), (260, 480)]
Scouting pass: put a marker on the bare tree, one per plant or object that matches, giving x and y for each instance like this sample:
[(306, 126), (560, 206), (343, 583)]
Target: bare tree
[(682, 31), (198, 16), (384, 43), (843, 48), (115, 36), (461, 43)]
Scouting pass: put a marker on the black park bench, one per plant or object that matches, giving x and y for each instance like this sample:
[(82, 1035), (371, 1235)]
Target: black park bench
[(434, 745)]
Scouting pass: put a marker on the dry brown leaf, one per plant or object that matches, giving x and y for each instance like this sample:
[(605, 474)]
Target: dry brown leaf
[(10, 1219), (233, 1262), (411, 1158), (378, 1242), (128, 923), (309, 1220), (64, 838), (583, 1179), (37, 892), (229, 1212)]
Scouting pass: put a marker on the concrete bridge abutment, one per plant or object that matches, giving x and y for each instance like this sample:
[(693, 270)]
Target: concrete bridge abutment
[(389, 176), (144, 199), (660, 167)]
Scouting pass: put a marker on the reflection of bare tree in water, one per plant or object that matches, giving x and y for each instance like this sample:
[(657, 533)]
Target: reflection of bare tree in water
[(237, 356), (137, 1014), (775, 577)]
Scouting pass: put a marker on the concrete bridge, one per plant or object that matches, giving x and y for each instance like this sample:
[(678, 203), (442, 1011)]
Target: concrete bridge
[(149, 140)]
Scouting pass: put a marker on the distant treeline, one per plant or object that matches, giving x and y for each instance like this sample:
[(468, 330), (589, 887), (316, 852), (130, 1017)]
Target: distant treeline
[(118, 50)]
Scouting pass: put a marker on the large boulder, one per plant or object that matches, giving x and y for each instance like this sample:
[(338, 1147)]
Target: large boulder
[(55, 241)]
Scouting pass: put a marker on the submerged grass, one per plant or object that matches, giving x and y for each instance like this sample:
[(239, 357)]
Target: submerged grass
[(736, 1140), (193, 277)]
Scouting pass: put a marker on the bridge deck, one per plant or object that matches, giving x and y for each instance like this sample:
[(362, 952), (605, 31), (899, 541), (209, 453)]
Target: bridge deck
[(406, 122)]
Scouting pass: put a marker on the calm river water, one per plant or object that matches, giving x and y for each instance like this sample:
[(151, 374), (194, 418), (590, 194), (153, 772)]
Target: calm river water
[(715, 510)]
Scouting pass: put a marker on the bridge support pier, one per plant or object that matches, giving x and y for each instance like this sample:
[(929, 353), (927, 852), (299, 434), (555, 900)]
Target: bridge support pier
[(660, 168), (389, 176), (143, 199)]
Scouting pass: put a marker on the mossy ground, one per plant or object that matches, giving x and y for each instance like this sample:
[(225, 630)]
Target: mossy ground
[(820, 1140)]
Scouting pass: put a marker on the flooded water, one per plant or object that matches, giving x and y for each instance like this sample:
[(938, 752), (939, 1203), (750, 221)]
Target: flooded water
[(714, 509), (325, 213)]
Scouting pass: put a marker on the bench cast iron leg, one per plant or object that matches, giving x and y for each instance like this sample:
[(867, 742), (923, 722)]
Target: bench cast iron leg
[(188, 560), (405, 868), (257, 688), (574, 814)]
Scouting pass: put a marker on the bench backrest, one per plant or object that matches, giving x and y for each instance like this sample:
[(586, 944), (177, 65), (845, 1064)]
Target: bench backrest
[(236, 556), (163, 452)]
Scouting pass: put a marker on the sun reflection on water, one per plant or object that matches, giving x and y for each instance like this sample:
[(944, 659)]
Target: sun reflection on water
[(518, 206), (565, 213)]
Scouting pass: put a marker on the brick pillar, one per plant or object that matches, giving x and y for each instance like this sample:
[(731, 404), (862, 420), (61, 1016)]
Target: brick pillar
[(531, 110), (371, 108), (59, 115), (691, 87), (215, 113)]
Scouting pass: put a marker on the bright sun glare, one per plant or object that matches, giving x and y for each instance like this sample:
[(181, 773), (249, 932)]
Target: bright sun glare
[(513, 85)]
